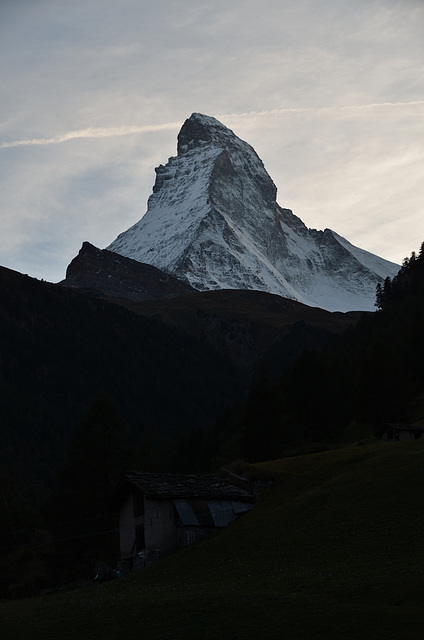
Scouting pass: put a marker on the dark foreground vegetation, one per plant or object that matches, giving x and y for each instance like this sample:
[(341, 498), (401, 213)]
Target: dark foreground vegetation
[(334, 550)]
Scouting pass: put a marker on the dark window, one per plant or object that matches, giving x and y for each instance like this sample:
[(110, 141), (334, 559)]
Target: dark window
[(139, 539), (138, 499), (202, 512)]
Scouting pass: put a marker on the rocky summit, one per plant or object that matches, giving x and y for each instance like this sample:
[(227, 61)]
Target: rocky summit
[(213, 221)]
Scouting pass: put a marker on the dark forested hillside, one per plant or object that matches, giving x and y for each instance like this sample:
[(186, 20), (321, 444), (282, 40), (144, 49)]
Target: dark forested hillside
[(59, 349), (170, 366), (349, 390)]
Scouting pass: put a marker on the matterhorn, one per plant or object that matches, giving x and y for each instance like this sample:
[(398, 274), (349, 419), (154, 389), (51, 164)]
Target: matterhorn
[(213, 221)]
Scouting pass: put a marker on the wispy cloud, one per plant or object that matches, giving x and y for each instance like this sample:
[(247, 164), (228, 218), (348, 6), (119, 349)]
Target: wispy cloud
[(111, 132), (91, 132), (357, 107)]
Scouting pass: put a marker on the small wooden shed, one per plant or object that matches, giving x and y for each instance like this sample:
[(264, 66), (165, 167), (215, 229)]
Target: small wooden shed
[(161, 512), (400, 431)]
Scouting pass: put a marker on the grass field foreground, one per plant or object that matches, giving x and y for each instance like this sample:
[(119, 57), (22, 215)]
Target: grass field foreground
[(334, 550)]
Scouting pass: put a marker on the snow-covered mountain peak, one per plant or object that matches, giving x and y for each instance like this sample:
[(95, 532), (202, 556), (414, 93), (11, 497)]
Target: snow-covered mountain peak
[(213, 221), (200, 130)]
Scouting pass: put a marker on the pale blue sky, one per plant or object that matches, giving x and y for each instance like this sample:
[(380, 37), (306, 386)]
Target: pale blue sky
[(330, 93)]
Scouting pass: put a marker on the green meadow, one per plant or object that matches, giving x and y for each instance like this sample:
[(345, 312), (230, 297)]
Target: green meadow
[(334, 550)]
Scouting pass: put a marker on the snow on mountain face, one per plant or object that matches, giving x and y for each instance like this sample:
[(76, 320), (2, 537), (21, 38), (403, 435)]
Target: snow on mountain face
[(213, 221)]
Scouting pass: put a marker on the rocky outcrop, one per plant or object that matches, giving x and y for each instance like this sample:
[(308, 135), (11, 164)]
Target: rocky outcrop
[(110, 275)]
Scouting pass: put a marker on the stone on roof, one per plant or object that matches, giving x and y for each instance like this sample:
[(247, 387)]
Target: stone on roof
[(172, 486)]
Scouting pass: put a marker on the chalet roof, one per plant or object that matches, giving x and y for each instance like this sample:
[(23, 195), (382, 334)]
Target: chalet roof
[(398, 426), (163, 486)]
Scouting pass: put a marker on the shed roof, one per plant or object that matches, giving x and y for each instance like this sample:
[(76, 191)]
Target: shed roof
[(173, 486), (417, 427)]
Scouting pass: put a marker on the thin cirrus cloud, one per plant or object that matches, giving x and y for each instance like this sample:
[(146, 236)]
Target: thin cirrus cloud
[(91, 132), (110, 132), (339, 108)]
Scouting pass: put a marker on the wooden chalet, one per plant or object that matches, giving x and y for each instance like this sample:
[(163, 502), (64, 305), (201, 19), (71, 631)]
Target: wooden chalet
[(159, 513)]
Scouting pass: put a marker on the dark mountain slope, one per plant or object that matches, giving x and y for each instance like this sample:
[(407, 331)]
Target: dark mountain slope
[(242, 324), (249, 325), (59, 349)]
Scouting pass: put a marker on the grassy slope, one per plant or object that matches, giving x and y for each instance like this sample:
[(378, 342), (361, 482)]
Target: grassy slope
[(335, 550)]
